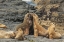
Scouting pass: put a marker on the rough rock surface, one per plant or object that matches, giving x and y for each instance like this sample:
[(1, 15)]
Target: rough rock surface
[(12, 13)]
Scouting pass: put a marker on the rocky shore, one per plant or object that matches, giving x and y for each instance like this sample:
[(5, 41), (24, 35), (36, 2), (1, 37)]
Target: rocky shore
[(12, 13)]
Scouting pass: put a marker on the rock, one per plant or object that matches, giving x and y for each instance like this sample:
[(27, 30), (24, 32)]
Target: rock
[(1, 1)]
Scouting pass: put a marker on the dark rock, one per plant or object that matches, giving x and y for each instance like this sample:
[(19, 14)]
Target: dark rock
[(1, 1), (56, 1)]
